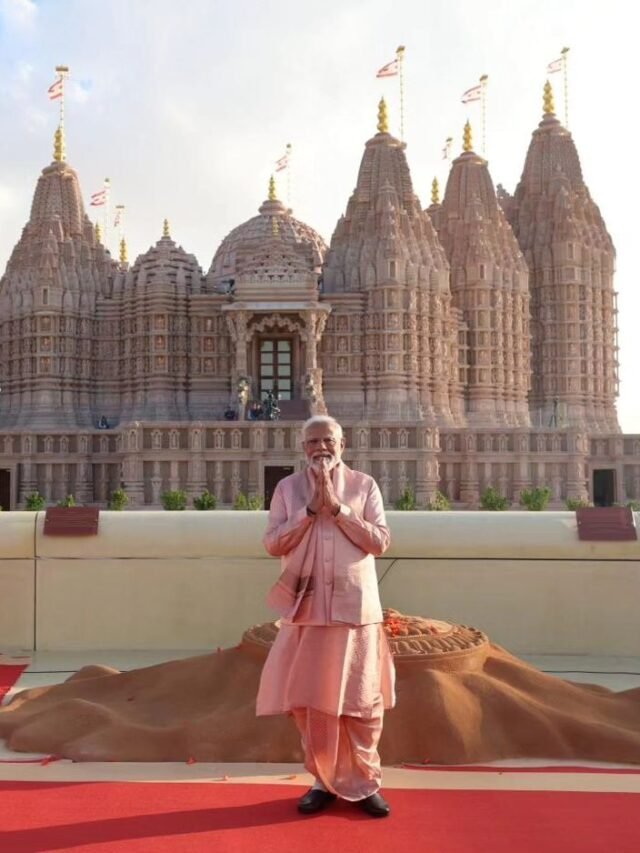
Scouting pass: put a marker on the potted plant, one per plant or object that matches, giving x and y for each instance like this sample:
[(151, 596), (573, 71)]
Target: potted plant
[(205, 501), (492, 500), (174, 500), (34, 502), (119, 500), (406, 501), (536, 499), (440, 503)]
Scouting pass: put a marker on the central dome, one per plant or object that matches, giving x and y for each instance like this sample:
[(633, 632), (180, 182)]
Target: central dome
[(274, 223)]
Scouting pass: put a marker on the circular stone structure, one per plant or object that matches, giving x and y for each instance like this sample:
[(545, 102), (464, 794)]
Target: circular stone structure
[(430, 643)]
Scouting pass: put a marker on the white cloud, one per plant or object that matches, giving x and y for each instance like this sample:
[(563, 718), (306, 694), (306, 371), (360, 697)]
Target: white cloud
[(7, 198), (18, 14)]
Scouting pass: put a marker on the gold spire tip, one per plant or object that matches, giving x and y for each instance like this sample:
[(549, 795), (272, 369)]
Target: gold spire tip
[(383, 117), (467, 142), (98, 232), (165, 228), (549, 106), (124, 256), (59, 153), (435, 192), (272, 189)]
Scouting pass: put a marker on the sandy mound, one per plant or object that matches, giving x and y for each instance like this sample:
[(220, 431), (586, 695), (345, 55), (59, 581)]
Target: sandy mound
[(460, 699)]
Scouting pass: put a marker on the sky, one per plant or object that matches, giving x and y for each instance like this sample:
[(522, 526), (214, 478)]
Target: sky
[(187, 106)]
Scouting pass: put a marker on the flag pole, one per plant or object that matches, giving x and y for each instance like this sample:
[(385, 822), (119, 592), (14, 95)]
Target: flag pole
[(565, 81), (288, 155), (400, 58), (483, 104), (107, 193), (120, 208), (63, 71)]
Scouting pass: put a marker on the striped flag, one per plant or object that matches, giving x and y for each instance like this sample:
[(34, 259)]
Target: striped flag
[(473, 94), (56, 90), (99, 199), (554, 66), (391, 69), (282, 163)]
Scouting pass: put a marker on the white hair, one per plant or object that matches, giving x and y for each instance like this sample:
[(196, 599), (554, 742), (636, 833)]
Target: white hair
[(322, 419)]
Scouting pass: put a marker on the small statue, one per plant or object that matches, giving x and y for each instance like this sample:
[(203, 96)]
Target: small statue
[(271, 408)]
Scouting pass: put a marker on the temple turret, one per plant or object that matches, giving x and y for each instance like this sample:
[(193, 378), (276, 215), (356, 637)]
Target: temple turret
[(489, 284), (573, 303), (54, 275), (391, 342), (152, 307)]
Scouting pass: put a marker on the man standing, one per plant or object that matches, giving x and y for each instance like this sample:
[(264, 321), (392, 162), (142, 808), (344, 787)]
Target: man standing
[(330, 666)]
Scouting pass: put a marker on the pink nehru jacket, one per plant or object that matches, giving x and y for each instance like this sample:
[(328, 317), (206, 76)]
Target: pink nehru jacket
[(328, 568)]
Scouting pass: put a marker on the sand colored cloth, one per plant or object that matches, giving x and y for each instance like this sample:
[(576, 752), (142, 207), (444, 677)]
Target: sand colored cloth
[(342, 752), (332, 669)]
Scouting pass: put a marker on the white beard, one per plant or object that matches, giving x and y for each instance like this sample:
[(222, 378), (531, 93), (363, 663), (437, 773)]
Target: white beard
[(323, 463)]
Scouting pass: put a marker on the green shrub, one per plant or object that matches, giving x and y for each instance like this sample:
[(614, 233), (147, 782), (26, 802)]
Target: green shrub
[(205, 501), (67, 502), (440, 503), (634, 505), (119, 500), (35, 502), (407, 500), (174, 500), (253, 502), (491, 499), (536, 499), (577, 503)]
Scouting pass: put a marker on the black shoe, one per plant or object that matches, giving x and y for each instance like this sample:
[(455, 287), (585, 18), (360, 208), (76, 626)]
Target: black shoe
[(315, 800), (375, 805)]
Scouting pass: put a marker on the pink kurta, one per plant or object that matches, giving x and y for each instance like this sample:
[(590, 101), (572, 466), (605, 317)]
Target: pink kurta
[(317, 660)]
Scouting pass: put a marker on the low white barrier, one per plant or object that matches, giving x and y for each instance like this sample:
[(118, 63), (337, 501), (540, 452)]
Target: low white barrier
[(196, 580)]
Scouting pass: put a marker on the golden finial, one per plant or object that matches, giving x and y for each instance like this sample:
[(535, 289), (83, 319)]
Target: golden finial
[(59, 154), (383, 118), (549, 106), (124, 256), (98, 232), (272, 189), (435, 192), (165, 229), (467, 143)]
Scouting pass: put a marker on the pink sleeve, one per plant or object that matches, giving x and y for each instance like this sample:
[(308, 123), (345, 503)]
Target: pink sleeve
[(283, 532), (369, 531)]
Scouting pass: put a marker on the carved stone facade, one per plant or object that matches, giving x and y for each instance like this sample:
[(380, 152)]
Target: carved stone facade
[(468, 345)]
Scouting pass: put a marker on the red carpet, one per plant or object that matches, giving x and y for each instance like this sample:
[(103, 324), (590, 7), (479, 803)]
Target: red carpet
[(9, 674), (231, 818)]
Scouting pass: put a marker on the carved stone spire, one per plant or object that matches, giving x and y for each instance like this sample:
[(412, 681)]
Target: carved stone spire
[(54, 276), (385, 263), (489, 285), (573, 301)]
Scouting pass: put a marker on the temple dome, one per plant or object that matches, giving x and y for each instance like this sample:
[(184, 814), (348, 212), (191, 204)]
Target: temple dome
[(273, 224), (165, 263)]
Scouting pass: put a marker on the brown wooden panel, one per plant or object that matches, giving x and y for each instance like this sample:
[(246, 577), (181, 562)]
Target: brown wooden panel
[(606, 524), (71, 521)]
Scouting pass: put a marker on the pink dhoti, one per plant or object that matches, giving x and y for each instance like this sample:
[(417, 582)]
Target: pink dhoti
[(342, 752), (336, 680)]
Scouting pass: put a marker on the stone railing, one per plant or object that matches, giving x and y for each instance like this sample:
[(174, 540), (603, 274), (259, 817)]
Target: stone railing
[(197, 580)]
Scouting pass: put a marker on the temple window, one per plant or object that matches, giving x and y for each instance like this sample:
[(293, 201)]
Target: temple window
[(276, 367)]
